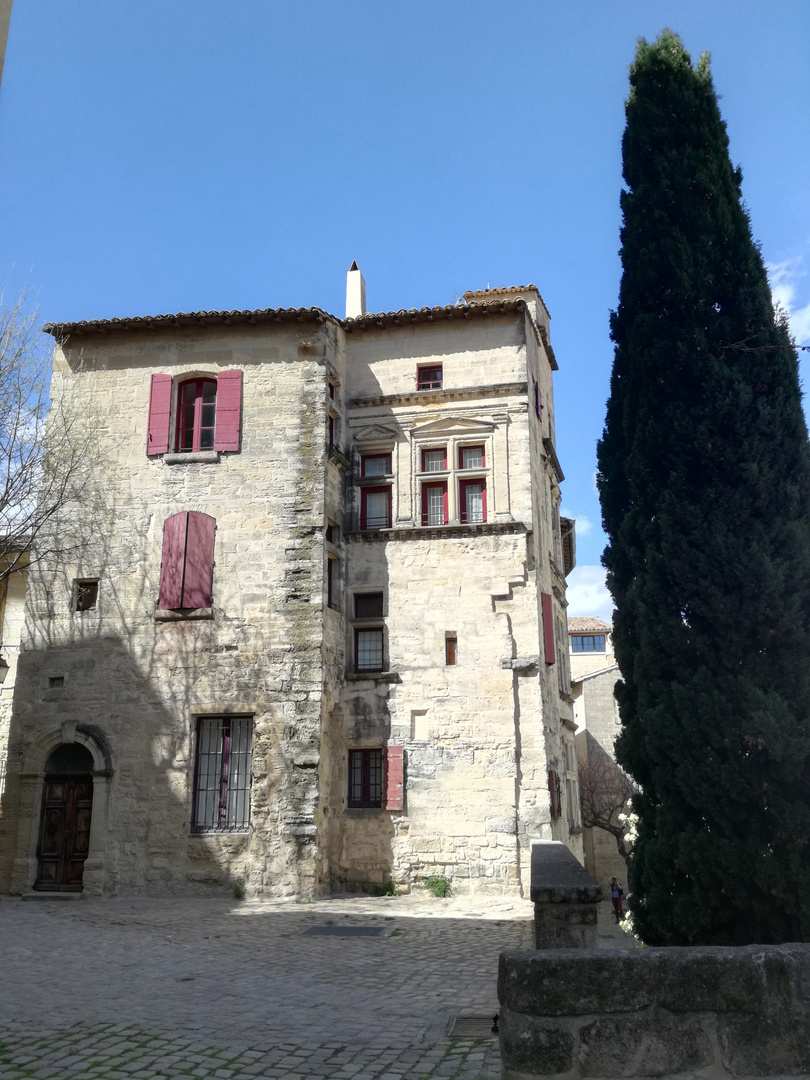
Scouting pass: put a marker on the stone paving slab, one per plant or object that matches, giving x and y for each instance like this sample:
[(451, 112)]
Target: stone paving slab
[(142, 988)]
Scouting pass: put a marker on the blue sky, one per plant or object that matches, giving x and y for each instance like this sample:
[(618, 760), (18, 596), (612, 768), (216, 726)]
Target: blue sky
[(184, 155)]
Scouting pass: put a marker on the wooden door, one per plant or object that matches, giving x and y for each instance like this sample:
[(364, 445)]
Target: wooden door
[(64, 835)]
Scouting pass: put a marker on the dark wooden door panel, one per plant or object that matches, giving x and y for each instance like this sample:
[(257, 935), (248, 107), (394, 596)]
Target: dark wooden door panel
[(65, 833)]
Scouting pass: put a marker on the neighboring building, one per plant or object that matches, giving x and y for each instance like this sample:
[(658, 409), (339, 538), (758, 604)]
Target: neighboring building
[(319, 641), (12, 609), (594, 673)]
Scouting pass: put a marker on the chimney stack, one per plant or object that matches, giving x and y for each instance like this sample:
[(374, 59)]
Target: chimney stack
[(355, 293)]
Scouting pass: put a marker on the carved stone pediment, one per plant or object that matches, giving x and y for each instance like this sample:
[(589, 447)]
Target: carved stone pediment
[(451, 425), (375, 433)]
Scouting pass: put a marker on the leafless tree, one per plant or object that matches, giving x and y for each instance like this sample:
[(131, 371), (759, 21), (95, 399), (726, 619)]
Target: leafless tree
[(46, 454), (604, 791)]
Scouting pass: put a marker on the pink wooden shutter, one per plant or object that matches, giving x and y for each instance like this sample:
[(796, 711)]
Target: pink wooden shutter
[(548, 627), (199, 570), (160, 407), (393, 778), (171, 569), (229, 410)]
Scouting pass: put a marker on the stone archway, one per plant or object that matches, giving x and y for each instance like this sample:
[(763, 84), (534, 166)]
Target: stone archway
[(48, 760)]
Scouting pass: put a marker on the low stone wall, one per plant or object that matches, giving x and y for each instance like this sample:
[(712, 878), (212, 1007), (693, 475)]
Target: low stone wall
[(565, 898), (683, 1013)]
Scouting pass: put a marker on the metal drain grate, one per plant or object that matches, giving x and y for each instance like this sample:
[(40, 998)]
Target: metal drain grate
[(474, 1027), (346, 931)]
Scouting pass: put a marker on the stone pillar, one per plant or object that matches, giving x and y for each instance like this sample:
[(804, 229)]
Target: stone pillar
[(565, 899)]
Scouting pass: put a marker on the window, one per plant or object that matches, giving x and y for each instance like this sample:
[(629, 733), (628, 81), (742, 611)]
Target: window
[(587, 642), (450, 646), (365, 778), (555, 792), (538, 401), (376, 778), (473, 501), (471, 457), (222, 774), (332, 579), (208, 413), (375, 508), (375, 464), (187, 569), (429, 378), (434, 460), (368, 605), (434, 504), (85, 594), (548, 627), (368, 649), (196, 413)]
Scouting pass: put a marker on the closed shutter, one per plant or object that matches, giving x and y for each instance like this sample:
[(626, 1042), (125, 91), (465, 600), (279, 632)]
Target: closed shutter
[(229, 410), (160, 407), (199, 571), (394, 778), (554, 792), (174, 554), (548, 627)]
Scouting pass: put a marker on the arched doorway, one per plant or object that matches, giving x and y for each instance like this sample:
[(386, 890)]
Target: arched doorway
[(64, 833)]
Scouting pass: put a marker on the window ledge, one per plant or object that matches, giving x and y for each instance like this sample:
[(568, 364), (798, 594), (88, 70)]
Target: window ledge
[(183, 614), (201, 457), (374, 676), (365, 811), (207, 834)]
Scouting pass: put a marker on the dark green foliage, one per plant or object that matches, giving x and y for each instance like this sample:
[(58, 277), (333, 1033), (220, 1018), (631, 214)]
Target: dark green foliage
[(704, 478)]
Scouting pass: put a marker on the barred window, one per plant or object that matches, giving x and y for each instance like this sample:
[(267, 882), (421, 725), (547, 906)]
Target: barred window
[(222, 774), (365, 778), (369, 649)]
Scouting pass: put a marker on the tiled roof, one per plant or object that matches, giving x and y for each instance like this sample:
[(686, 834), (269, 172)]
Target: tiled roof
[(514, 289), (381, 320), (579, 624)]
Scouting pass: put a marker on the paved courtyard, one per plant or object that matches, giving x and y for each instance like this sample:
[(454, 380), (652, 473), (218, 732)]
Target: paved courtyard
[(209, 988)]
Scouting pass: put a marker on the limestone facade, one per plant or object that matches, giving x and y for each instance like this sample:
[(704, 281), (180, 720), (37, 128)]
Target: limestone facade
[(380, 674)]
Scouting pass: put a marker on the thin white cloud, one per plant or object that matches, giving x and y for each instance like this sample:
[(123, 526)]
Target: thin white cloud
[(587, 593), (584, 525), (786, 280)]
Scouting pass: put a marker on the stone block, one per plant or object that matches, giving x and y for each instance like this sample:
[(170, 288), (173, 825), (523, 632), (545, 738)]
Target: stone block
[(539, 1048), (765, 1045), (577, 983), (648, 1045)]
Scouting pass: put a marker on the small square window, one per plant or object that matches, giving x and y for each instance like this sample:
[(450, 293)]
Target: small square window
[(368, 649), (434, 460), (85, 595), (471, 457), (376, 464), (365, 778), (368, 605), (56, 682), (429, 378)]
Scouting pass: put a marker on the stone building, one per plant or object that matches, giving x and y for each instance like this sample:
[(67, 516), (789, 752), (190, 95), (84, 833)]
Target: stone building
[(12, 609), (594, 673), (319, 639)]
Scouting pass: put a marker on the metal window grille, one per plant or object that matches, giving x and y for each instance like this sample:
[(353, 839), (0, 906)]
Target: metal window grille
[(368, 605), (369, 650), (222, 774), (365, 777)]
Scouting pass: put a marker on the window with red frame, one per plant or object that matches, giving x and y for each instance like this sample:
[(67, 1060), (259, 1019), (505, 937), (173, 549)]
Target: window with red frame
[(471, 457), (434, 504), (196, 415), (429, 378), (375, 465), (375, 508), (434, 460), (472, 502)]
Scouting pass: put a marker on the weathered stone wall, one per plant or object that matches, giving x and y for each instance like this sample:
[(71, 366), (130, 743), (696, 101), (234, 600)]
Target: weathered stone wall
[(142, 683), (673, 1013)]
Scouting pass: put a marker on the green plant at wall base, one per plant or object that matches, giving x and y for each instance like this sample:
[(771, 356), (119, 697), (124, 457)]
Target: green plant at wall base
[(239, 890), (387, 889), (704, 481), (438, 886)]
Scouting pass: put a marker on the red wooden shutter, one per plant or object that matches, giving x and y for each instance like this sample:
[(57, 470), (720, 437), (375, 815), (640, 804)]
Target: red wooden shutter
[(538, 400), (554, 792), (160, 407), (199, 569), (548, 627), (393, 778), (171, 569), (229, 410)]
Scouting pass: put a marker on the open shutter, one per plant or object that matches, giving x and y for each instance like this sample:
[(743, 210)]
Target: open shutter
[(394, 773), (548, 627), (229, 410), (199, 569), (160, 407), (554, 791), (171, 568)]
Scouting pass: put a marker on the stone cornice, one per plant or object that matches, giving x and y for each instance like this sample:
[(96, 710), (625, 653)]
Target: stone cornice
[(432, 397), (439, 532)]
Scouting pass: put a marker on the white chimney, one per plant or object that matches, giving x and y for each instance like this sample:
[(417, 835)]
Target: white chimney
[(355, 293)]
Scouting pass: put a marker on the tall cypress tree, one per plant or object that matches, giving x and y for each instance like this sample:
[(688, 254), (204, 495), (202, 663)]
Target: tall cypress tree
[(704, 479)]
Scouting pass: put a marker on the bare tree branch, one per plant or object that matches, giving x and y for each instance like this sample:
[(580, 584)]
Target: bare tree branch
[(604, 791)]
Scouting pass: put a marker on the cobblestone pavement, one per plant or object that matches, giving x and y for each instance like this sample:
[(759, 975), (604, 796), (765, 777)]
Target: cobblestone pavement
[(206, 988)]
